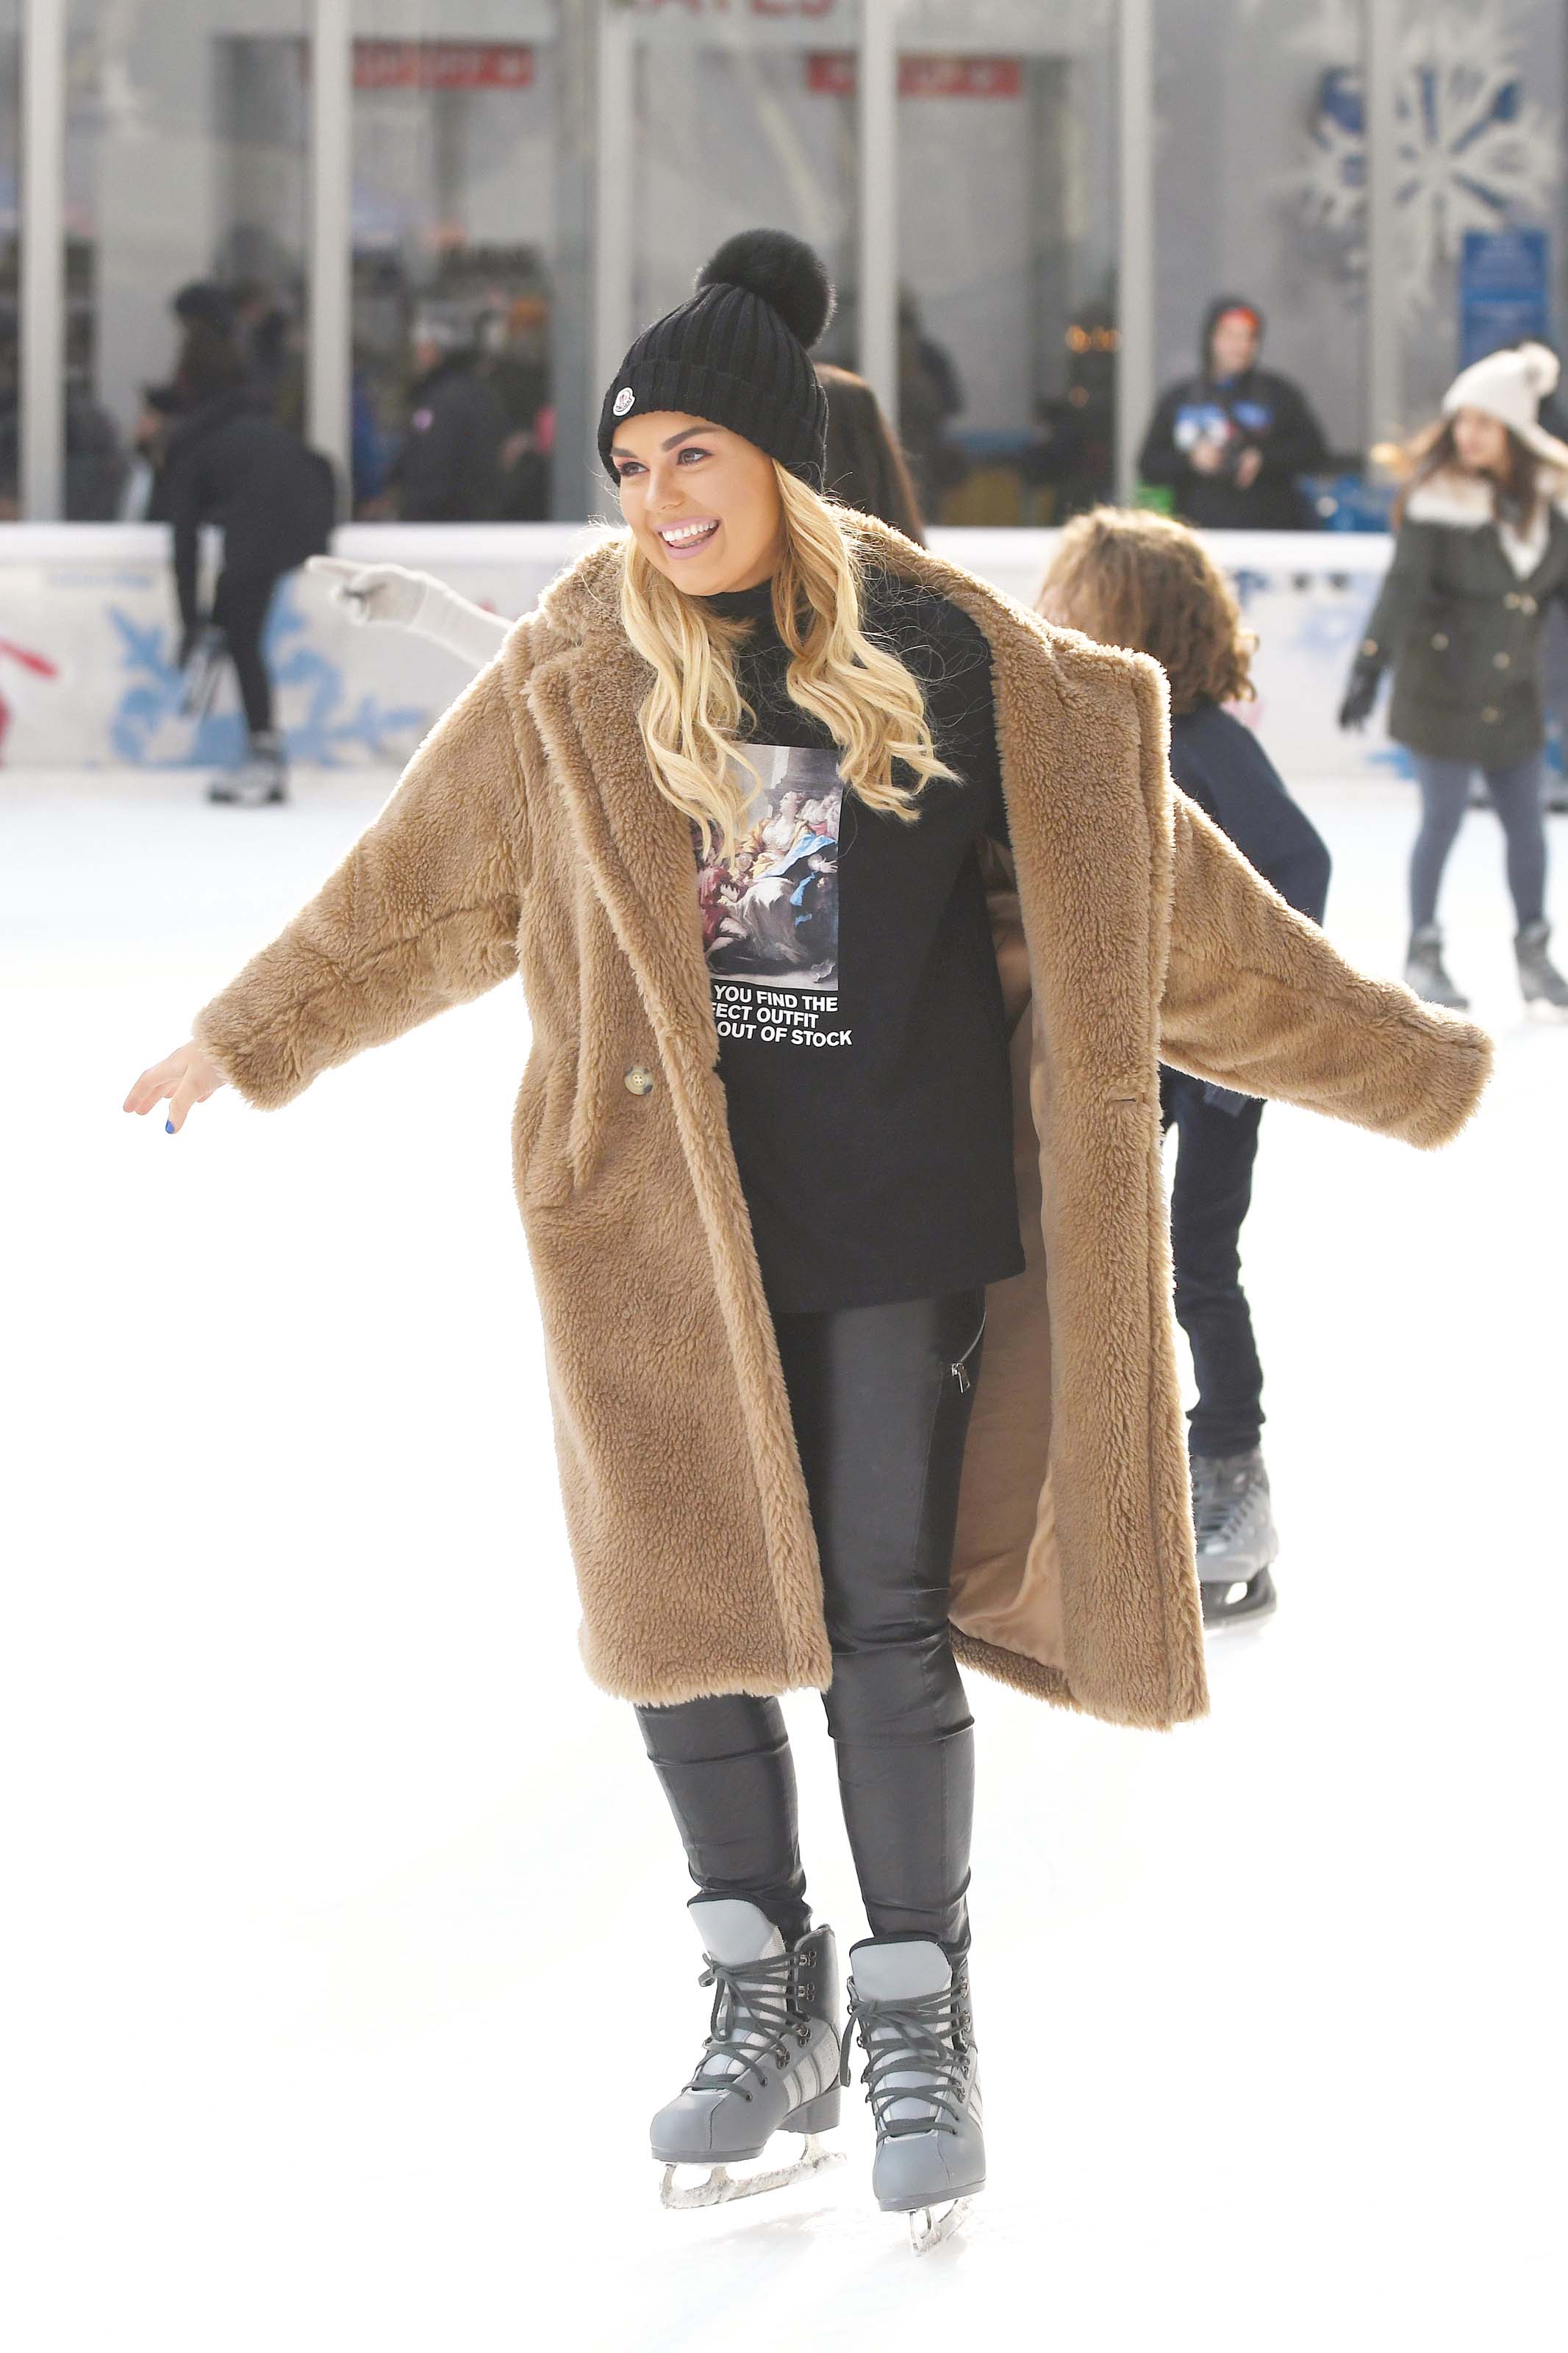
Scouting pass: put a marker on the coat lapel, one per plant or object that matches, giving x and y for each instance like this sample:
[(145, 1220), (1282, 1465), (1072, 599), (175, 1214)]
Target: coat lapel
[(638, 845)]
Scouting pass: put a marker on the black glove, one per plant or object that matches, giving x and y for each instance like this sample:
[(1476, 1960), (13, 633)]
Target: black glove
[(1361, 693)]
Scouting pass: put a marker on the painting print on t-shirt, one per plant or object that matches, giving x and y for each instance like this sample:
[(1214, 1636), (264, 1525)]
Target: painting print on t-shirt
[(770, 910)]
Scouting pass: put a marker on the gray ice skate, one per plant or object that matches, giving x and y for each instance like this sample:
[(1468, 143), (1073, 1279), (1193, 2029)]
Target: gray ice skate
[(1236, 1539), (1426, 973), (770, 2062), (1544, 990), (262, 777), (922, 2079)]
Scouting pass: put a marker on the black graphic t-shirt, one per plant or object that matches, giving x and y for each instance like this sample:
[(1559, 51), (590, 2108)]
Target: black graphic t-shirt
[(861, 1036)]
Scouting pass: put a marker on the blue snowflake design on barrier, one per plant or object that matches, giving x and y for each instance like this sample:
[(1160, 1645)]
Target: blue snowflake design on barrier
[(152, 699)]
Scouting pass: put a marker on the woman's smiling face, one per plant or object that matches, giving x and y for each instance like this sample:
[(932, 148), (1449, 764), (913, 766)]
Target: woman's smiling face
[(702, 502)]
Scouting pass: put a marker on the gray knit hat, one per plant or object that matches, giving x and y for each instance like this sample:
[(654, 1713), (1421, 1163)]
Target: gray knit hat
[(737, 354)]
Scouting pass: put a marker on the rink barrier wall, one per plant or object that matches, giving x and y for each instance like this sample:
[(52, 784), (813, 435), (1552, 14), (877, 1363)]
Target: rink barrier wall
[(89, 632)]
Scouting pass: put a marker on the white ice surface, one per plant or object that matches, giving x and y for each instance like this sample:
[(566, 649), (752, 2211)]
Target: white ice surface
[(347, 1952)]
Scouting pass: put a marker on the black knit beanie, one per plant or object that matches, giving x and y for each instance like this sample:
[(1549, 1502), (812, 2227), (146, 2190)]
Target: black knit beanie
[(736, 353)]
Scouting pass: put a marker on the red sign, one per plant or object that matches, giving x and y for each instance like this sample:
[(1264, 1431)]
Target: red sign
[(721, 8), (832, 73), (442, 64)]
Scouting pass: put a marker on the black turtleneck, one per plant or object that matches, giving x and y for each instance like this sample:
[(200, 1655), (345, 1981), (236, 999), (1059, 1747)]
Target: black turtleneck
[(862, 1043)]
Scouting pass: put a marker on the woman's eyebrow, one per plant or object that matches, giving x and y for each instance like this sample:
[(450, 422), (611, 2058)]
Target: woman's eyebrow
[(620, 451)]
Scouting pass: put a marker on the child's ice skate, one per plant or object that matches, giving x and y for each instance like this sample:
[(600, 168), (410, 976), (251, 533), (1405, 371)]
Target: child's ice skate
[(770, 2062), (1238, 1542), (922, 2079)]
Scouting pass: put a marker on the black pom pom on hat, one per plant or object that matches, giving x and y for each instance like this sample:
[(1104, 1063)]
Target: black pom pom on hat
[(783, 272), (737, 354)]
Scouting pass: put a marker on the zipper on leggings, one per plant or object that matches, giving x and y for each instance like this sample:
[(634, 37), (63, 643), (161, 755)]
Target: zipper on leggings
[(960, 1366)]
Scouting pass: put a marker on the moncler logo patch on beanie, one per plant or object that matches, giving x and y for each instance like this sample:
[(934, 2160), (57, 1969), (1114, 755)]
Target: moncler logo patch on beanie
[(737, 352)]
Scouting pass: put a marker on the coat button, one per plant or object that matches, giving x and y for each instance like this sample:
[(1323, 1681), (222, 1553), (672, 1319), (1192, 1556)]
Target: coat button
[(1512, 602), (1500, 661), (1439, 641), (1489, 713), (639, 1080), (1527, 603)]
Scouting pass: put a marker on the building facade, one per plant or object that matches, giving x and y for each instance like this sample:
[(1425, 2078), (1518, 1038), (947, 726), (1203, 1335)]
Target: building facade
[(1027, 206)]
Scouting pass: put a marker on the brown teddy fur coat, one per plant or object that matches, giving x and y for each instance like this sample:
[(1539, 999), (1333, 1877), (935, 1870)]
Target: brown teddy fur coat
[(528, 836)]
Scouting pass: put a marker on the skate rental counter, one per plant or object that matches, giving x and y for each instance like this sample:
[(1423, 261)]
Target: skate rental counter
[(88, 636)]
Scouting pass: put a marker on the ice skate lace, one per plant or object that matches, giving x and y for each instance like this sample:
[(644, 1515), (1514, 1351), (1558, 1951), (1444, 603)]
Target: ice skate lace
[(751, 2021), (925, 2028), (1221, 1506)]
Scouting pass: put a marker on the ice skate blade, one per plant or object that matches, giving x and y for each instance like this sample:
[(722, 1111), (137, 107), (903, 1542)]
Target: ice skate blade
[(928, 2228), (1254, 1609), (721, 2188)]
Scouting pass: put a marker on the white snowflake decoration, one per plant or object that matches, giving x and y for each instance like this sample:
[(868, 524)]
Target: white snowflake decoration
[(1473, 152)]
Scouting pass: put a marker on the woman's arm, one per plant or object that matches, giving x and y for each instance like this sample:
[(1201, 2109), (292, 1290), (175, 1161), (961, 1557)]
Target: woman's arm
[(1159, 460), (391, 595), (422, 914), (1256, 999), (1409, 577)]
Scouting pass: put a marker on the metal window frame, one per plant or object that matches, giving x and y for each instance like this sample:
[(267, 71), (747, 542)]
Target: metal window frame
[(1381, 26), (877, 83), (41, 318), (41, 261), (1135, 135), (329, 236)]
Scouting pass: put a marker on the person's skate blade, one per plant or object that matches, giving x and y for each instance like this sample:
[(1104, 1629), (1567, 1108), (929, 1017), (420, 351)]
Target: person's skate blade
[(1254, 1607), (722, 2187), (928, 2227)]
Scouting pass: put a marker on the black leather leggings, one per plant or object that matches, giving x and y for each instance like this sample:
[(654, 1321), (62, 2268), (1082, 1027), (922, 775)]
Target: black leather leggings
[(880, 1401)]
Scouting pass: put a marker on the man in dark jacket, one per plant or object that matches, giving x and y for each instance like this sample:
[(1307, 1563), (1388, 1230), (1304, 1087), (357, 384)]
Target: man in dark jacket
[(449, 469), (1230, 441), (273, 500)]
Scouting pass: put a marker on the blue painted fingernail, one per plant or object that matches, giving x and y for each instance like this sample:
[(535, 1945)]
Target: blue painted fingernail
[(168, 1127)]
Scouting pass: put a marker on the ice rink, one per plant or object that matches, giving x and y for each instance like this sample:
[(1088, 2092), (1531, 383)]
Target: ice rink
[(349, 1954)]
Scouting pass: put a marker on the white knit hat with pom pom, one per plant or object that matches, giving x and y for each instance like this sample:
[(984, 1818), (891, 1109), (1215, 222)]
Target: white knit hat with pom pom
[(1511, 386)]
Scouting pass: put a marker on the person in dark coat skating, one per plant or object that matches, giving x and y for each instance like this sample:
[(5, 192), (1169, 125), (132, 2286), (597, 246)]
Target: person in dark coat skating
[(1481, 552), (1231, 441), (1145, 582), (222, 462), (449, 469)]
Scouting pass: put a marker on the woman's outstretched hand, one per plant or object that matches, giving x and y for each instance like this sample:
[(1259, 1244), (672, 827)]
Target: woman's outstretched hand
[(187, 1076), (373, 592)]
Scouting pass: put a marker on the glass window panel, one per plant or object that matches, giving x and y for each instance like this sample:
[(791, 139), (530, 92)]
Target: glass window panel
[(468, 287), (1006, 256), (1260, 174), (743, 120), (10, 218), (186, 163), (1481, 97)]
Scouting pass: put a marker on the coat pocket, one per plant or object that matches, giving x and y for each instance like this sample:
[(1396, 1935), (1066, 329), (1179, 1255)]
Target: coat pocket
[(542, 1171)]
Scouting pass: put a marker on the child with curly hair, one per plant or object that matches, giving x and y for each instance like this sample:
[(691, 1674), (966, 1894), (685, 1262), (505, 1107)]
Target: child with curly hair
[(1136, 579)]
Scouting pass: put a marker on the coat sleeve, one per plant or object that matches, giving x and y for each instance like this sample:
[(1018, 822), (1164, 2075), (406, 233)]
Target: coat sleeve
[(1257, 1000), (422, 914), (1297, 445), (1159, 460), (1407, 580)]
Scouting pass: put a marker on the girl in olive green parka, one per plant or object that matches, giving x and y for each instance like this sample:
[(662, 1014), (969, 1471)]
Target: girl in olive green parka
[(1482, 548)]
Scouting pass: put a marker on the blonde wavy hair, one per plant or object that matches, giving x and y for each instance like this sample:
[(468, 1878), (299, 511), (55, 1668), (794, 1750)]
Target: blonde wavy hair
[(870, 705)]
